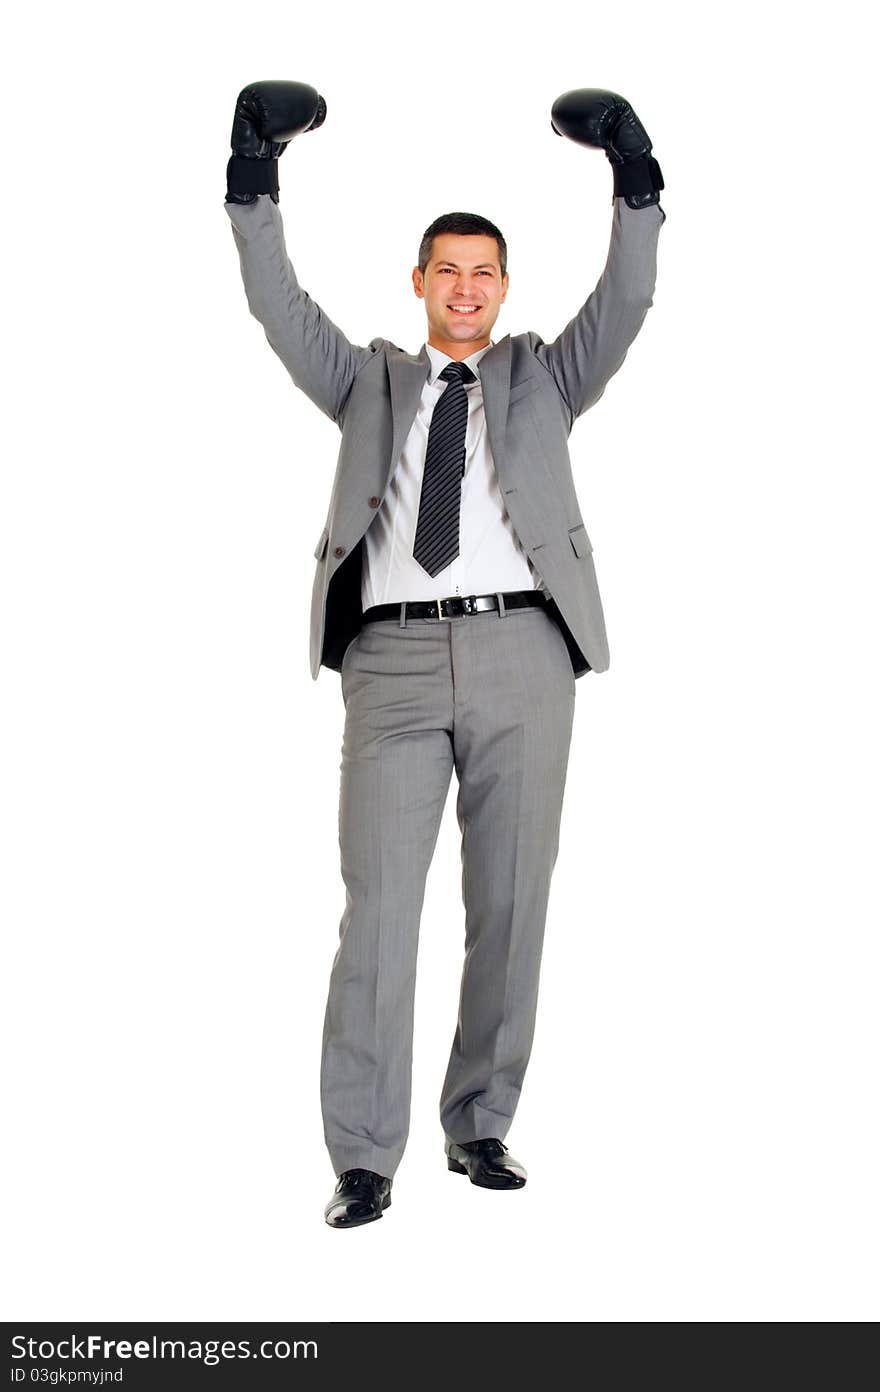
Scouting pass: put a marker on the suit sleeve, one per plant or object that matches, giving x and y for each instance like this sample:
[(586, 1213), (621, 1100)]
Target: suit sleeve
[(593, 345), (317, 354)]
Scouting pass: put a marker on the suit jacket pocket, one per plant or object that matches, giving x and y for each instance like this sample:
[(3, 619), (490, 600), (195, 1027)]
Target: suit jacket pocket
[(581, 544), (321, 547), (529, 384)]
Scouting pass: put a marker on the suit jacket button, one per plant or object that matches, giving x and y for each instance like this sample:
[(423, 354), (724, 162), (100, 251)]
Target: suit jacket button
[(374, 501), (338, 550)]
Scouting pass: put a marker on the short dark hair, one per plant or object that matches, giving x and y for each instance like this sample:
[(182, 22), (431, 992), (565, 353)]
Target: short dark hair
[(465, 225)]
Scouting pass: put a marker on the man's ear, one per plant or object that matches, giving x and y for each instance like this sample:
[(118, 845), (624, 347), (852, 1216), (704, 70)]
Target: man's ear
[(418, 282), (505, 283)]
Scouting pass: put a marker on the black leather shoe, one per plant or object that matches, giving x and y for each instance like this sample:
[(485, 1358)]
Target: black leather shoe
[(359, 1197), (489, 1164)]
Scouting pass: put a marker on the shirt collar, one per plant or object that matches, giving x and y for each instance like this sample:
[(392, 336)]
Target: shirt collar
[(440, 360)]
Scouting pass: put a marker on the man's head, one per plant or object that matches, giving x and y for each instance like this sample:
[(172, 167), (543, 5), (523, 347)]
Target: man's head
[(462, 261)]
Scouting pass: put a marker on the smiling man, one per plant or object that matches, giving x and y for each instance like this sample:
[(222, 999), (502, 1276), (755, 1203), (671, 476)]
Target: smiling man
[(462, 292), (456, 595)]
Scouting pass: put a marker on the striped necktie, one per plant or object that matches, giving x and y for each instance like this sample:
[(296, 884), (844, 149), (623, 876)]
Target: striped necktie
[(436, 541)]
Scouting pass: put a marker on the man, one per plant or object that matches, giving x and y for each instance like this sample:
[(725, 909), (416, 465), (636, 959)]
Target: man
[(455, 592)]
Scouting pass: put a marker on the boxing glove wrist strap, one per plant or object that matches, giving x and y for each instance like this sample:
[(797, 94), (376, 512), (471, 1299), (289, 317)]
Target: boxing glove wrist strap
[(254, 175), (638, 176)]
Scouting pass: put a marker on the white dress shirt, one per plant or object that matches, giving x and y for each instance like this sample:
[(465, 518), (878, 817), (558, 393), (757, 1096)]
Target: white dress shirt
[(490, 557)]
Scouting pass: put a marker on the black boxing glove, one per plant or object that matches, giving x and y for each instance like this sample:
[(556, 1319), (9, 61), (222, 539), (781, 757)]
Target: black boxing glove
[(591, 116), (267, 117)]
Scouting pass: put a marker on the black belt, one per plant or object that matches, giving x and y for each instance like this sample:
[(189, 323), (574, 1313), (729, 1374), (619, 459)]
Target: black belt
[(455, 605)]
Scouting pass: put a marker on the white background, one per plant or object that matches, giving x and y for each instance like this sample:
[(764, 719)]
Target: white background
[(699, 1119)]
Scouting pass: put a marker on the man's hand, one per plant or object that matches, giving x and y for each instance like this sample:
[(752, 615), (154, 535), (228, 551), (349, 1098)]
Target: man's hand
[(591, 116), (268, 115)]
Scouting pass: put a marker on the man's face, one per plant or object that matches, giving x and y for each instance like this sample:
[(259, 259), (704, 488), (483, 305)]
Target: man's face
[(463, 271)]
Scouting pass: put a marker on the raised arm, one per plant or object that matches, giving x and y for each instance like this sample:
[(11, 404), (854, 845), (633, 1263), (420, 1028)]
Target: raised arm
[(320, 359), (592, 346)]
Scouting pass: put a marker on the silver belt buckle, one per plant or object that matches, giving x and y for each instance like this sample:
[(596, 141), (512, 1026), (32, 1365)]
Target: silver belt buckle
[(468, 604)]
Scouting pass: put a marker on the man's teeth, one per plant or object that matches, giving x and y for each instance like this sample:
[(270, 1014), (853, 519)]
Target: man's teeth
[(462, 309)]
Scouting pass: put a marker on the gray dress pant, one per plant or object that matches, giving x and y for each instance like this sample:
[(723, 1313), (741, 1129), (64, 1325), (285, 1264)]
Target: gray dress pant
[(491, 695)]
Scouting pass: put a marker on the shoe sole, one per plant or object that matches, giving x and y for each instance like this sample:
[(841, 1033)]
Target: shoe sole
[(359, 1222), (458, 1168)]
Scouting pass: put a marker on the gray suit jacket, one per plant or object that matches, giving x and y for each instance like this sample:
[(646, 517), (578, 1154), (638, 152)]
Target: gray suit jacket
[(532, 394)]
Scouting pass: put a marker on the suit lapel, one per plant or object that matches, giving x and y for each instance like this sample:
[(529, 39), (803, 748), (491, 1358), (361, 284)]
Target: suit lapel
[(495, 381), (407, 376)]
